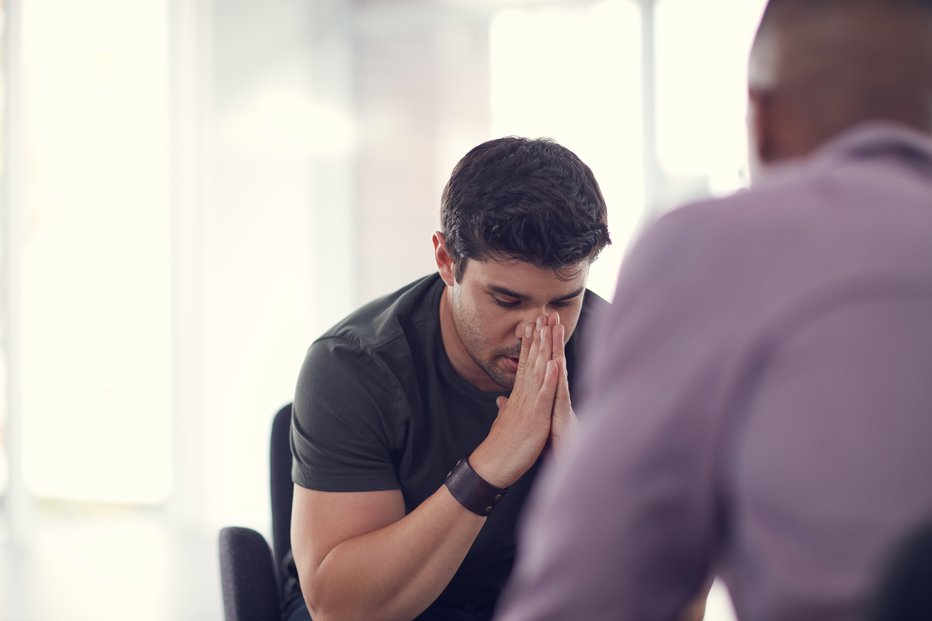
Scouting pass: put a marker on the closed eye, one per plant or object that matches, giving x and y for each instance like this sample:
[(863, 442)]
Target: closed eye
[(506, 303)]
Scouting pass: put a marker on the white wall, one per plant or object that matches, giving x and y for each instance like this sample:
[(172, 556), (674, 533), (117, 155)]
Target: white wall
[(206, 185)]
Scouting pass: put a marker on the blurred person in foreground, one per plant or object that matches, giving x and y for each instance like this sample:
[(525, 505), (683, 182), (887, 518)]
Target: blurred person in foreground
[(419, 420), (758, 402)]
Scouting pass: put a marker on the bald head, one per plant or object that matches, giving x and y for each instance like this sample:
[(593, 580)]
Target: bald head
[(819, 67)]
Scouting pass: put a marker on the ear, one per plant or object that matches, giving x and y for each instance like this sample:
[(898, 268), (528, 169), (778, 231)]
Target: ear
[(443, 259), (761, 126)]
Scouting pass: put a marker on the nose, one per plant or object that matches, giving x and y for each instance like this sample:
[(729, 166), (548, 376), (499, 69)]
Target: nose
[(529, 317)]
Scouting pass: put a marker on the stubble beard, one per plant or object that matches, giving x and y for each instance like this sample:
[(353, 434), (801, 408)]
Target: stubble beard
[(493, 367)]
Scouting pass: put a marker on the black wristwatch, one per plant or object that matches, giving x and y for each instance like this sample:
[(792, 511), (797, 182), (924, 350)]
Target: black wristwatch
[(471, 490)]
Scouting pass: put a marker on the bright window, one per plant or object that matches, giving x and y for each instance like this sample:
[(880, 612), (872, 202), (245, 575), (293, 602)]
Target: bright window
[(95, 307), (4, 343), (701, 53), (573, 74)]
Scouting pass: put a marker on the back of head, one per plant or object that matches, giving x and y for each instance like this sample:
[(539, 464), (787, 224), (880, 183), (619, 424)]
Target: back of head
[(831, 64), (524, 199)]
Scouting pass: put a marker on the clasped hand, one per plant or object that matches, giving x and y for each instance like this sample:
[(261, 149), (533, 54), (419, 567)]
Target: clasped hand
[(537, 411)]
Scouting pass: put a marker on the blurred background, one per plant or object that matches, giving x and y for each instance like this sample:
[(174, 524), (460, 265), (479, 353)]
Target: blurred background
[(192, 190)]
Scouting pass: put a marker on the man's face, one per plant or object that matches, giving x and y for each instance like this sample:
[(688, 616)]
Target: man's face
[(489, 307)]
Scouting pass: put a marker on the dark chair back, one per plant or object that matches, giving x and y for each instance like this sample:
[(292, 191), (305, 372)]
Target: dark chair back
[(252, 578), (280, 486), (247, 578)]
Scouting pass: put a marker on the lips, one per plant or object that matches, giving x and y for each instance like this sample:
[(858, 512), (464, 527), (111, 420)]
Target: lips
[(511, 363)]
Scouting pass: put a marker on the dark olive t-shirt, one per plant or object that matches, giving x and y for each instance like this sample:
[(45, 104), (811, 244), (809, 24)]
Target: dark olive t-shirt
[(378, 406)]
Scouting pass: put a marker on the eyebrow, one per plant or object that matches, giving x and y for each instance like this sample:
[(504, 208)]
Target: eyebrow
[(520, 296)]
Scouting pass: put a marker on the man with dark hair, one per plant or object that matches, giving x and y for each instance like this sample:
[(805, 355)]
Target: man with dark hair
[(760, 398), (419, 419)]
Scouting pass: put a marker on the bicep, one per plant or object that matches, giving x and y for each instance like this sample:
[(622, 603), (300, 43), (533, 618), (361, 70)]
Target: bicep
[(346, 409), (320, 521)]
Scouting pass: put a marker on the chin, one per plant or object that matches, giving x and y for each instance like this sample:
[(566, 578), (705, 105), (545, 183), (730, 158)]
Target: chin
[(503, 378), (505, 384)]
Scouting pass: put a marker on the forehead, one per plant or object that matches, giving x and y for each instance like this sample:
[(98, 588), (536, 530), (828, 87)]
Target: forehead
[(526, 278)]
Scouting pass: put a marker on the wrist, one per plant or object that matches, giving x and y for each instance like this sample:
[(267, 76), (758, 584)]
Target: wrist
[(471, 490), (487, 467)]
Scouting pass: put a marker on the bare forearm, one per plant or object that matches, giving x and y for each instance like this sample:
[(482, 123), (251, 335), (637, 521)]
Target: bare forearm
[(397, 571)]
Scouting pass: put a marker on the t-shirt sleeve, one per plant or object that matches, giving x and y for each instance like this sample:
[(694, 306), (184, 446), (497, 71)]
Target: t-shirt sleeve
[(340, 430)]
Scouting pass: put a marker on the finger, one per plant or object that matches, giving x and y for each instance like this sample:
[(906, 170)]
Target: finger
[(548, 386), (533, 359), (524, 356), (501, 402), (526, 342), (545, 352), (541, 353), (562, 399), (553, 319), (559, 343)]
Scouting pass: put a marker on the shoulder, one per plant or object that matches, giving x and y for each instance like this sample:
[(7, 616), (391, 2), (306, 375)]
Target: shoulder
[(386, 319), (732, 238), (373, 348)]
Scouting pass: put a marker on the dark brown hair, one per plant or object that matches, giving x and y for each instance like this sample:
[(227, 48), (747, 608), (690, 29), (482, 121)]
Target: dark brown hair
[(526, 199)]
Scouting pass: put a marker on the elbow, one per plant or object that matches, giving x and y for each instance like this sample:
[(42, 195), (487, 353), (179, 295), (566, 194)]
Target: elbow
[(318, 610), (324, 598), (324, 608), (321, 609), (330, 613), (328, 599), (317, 613), (310, 591)]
